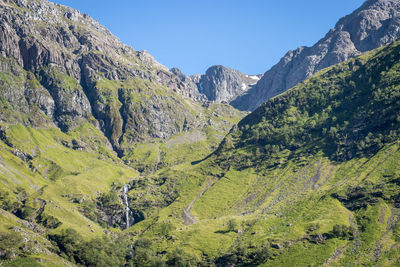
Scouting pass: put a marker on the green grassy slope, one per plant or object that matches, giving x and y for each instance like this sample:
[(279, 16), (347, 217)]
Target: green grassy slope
[(41, 176), (310, 178), (53, 181), (307, 213), (193, 143)]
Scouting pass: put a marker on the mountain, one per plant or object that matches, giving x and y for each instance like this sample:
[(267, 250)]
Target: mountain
[(223, 84), (310, 178), (374, 24), (219, 84), (82, 115), (62, 67)]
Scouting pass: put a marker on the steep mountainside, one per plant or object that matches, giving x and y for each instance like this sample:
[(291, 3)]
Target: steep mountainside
[(223, 84), (310, 178), (72, 99), (375, 23), (61, 66)]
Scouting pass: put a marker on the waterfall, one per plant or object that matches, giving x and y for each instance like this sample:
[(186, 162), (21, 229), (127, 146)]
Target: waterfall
[(127, 209)]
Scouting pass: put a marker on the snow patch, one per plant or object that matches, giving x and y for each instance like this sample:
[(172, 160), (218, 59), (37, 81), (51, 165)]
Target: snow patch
[(244, 86), (254, 77)]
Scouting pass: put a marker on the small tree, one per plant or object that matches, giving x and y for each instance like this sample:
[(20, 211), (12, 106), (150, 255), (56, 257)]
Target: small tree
[(232, 224)]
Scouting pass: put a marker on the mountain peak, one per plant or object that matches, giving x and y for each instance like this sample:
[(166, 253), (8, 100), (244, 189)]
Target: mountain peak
[(86, 74), (223, 84), (374, 24)]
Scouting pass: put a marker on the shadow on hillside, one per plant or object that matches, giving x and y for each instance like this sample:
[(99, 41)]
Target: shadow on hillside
[(200, 161), (221, 232)]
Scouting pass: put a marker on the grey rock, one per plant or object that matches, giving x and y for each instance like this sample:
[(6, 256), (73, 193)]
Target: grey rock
[(222, 84), (149, 60), (374, 24), (71, 104), (24, 99), (42, 99), (180, 74), (22, 155), (195, 78), (189, 87)]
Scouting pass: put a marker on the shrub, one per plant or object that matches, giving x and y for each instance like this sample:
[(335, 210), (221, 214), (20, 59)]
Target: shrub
[(10, 244), (342, 231), (232, 225)]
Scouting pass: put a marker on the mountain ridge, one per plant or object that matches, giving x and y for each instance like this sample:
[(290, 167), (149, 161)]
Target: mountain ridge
[(91, 76), (219, 84), (309, 178), (374, 24)]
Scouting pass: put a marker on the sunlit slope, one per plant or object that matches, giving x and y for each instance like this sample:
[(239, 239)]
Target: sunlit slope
[(45, 176), (310, 178)]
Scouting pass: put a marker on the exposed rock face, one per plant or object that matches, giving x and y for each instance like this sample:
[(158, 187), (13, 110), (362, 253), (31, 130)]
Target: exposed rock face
[(195, 78), (191, 89), (22, 98), (375, 23), (60, 66), (223, 84)]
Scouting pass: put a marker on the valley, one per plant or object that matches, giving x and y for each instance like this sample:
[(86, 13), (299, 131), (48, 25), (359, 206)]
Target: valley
[(108, 158)]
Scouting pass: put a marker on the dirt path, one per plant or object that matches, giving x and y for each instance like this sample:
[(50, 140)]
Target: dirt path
[(187, 216)]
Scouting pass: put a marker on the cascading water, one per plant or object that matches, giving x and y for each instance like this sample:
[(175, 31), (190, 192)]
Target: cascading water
[(127, 209)]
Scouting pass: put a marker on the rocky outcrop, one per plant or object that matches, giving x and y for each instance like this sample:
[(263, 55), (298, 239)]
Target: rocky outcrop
[(22, 98), (223, 84), (71, 103), (375, 23), (195, 78), (190, 87)]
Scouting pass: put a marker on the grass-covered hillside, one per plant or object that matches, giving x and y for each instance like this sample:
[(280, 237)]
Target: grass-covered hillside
[(310, 178), (348, 111), (83, 118), (56, 184), (46, 178), (107, 159)]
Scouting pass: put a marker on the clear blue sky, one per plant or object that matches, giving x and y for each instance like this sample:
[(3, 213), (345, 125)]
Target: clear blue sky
[(248, 35)]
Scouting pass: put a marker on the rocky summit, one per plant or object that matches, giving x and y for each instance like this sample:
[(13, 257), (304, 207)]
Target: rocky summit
[(223, 84), (375, 23)]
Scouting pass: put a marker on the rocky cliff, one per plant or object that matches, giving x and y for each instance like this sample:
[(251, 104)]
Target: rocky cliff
[(192, 90), (374, 24), (223, 84)]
